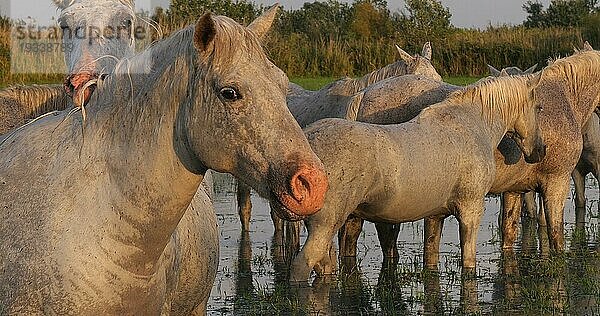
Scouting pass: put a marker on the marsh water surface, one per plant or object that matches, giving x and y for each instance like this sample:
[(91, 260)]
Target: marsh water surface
[(253, 270)]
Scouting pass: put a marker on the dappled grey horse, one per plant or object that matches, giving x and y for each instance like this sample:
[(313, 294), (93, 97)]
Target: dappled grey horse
[(97, 34), (561, 118), (336, 100), (589, 162), (566, 89), (383, 172), (561, 125), (18, 104), (390, 101), (104, 240)]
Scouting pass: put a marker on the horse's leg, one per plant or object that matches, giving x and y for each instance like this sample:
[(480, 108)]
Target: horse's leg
[(292, 235), (469, 218), (554, 194), (431, 241), (596, 172), (314, 251), (528, 235), (579, 180), (530, 204), (321, 229), (544, 244), (348, 236), (327, 265), (510, 218), (278, 225), (199, 310), (388, 235), (244, 205), (468, 295), (541, 212)]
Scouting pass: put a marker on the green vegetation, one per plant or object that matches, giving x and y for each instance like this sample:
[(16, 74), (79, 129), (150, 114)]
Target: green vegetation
[(336, 39), (461, 81), (559, 13), (319, 82), (313, 83)]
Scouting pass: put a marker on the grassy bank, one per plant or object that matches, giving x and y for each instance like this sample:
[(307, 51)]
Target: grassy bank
[(316, 83)]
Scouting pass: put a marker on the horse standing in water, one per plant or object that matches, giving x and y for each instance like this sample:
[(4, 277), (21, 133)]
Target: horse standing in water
[(414, 93), (382, 172), (589, 162), (104, 239), (336, 100)]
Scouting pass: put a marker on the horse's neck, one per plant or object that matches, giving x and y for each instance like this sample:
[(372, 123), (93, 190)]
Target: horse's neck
[(150, 187), (586, 101), (311, 108), (490, 125)]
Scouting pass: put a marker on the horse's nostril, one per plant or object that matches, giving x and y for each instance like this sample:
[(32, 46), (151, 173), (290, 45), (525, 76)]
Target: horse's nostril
[(308, 187), (300, 187)]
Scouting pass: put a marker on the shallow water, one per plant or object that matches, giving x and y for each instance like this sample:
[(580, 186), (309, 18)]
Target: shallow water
[(251, 277)]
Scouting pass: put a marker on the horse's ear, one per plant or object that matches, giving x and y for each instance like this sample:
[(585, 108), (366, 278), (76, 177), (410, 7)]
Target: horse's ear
[(503, 73), (61, 4), (535, 81), (263, 23), (427, 51), (530, 70), (587, 47), (493, 71), (404, 55), (204, 32)]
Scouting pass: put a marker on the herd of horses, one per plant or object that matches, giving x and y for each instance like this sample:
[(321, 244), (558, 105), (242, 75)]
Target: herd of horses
[(106, 197)]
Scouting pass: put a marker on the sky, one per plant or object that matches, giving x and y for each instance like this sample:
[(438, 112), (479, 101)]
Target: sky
[(465, 13)]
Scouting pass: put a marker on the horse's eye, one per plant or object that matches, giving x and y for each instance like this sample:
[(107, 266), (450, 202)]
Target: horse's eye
[(127, 23), (230, 94)]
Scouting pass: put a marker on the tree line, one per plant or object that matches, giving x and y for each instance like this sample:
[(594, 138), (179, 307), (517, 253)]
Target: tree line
[(333, 38)]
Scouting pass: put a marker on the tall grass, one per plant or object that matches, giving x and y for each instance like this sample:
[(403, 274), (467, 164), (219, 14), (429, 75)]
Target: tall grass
[(460, 53), (467, 52), (45, 64)]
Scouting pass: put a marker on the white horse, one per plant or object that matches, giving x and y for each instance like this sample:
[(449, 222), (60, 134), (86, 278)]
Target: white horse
[(440, 163), (114, 234), (336, 100), (91, 54)]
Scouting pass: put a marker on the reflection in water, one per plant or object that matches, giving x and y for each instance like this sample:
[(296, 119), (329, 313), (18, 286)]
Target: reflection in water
[(389, 288), (282, 252), (584, 275), (244, 284), (253, 272), (469, 301), (433, 303), (529, 282)]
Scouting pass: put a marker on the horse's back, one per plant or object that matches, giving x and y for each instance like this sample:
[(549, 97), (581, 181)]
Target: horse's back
[(18, 104), (400, 99)]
